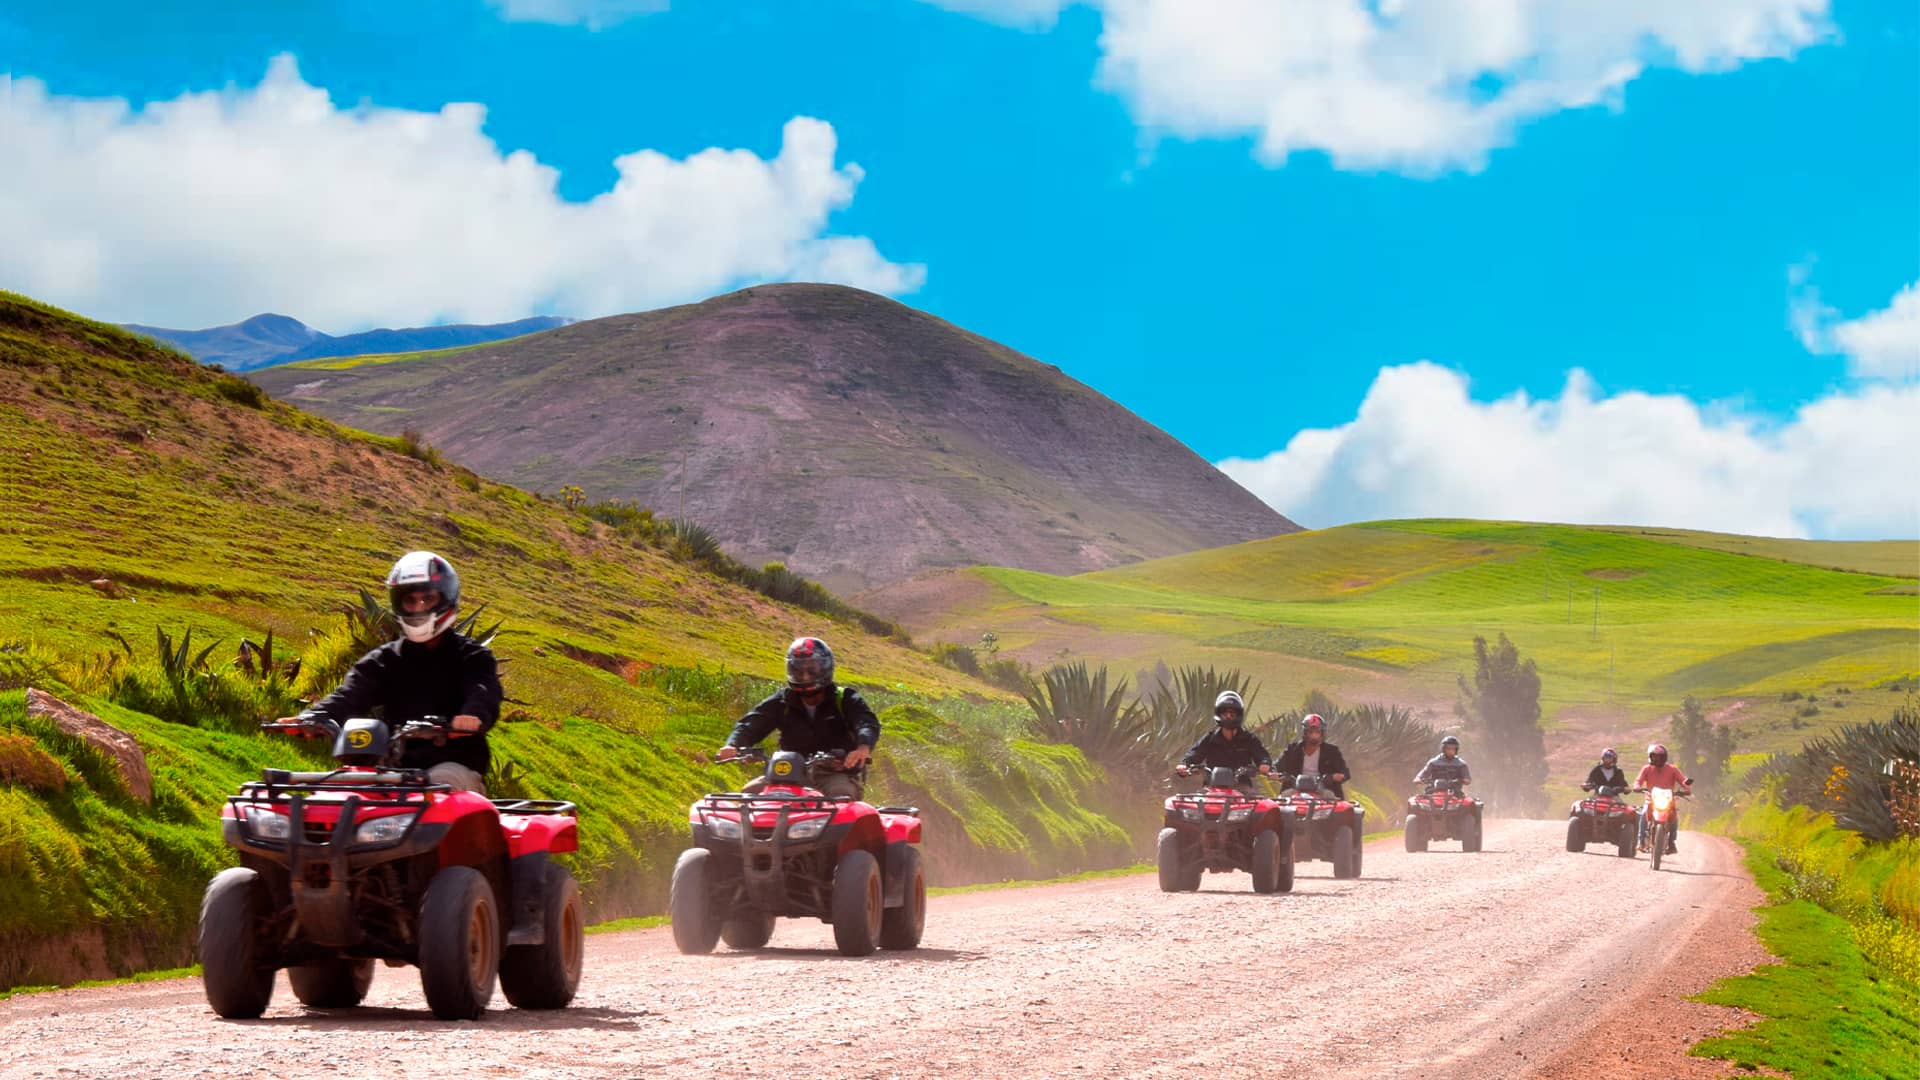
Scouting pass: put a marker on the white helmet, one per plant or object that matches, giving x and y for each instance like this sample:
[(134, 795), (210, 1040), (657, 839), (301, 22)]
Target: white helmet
[(1229, 699), (423, 571)]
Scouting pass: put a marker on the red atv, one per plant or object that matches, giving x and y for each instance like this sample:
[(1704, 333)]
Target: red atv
[(1603, 818), (1220, 829), (1442, 811), (1325, 826), (373, 862), (790, 850)]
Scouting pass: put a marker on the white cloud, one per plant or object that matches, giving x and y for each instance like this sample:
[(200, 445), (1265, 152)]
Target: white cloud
[(216, 205), (592, 14), (1419, 86), (1884, 344), (1420, 446)]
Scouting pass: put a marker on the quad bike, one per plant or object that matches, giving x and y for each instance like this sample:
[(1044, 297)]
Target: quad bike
[(789, 850), (1442, 811), (1603, 818), (1660, 820), (1220, 829), (374, 862), (1325, 826)]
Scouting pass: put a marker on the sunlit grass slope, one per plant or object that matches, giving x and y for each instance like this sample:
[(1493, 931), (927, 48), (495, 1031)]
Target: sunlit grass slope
[(1391, 608)]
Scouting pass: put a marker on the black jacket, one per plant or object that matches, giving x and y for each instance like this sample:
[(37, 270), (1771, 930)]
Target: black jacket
[(1620, 778), (405, 680), (1293, 761), (1216, 751), (843, 722)]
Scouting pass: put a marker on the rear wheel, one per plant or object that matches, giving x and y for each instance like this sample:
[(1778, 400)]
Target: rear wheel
[(690, 904), (459, 943), (750, 931), (858, 903), (1575, 835), (237, 983), (1266, 862), (901, 927), (1344, 863), (1659, 843), (1470, 834), (332, 984), (545, 976)]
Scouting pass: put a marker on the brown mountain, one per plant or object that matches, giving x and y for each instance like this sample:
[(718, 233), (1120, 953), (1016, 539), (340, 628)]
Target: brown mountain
[(856, 439)]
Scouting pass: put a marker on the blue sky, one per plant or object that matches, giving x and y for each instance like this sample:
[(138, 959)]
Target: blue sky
[(1093, 186)]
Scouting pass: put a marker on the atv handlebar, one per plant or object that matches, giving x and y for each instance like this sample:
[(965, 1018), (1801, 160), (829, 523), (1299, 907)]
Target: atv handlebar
[(824, 759), (434, 728)]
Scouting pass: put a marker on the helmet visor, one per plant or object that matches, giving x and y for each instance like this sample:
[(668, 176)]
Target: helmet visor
[(806, 673)]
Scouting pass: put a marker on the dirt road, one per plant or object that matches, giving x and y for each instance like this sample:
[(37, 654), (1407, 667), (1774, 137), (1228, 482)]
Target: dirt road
[(1518, 960)]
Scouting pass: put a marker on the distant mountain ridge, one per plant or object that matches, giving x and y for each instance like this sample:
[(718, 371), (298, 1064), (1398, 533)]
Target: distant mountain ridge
[(269, 339), (855, 439)]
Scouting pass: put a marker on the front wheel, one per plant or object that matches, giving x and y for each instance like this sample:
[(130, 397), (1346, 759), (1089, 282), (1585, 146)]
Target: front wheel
[(1576, 837), (690, 904), (1626, 841), (1418, 832), (459, 943), (332, 984), (1266, 862), (237, 983), (1344, 863), (1173, 874), (901, 927), (1470, 835), (545, 976), (858, 903), (1659, 843)]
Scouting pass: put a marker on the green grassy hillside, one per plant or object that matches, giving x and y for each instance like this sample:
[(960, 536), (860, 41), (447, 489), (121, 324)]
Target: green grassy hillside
[(197, 503), (1388, 610)]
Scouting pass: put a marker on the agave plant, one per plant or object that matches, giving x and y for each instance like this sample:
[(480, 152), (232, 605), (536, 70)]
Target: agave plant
[(256, 662), (1846, 773), (1073, 704), (1180, 706)]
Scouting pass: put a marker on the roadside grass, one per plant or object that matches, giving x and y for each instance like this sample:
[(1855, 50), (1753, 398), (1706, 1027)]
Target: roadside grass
[(124, 980), (1827, 1012)]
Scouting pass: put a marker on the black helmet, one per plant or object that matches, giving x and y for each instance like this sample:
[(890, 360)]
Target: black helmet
[(809, 664), (1228, 700), (1449, 741), (417, 572)]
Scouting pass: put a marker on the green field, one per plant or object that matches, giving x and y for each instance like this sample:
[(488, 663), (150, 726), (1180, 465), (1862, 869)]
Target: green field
[(200, 505), (1388, 611)]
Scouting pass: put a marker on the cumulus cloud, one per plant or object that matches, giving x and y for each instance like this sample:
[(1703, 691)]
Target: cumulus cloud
[(1421, 446), (216, 205), (1419, 86), (1884, 344), (592, 14)]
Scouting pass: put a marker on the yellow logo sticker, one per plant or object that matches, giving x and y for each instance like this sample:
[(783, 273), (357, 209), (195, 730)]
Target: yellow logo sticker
[(359, 738), (782, 768)]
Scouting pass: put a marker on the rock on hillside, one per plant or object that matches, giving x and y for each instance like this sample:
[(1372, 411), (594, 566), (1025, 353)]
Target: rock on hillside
[(856, 439)]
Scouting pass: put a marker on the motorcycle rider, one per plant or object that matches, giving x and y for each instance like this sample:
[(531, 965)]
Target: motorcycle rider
[(1228, 745), (1448, 765), (1312, 753), (1657, 773), (430, 670), (1607, 774), (812, 715)]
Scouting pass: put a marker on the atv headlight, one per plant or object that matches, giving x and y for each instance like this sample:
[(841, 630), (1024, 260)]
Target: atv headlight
[(806, 830), (1241, 814), (383, 830), (724, 828), (264, 824), (1192, 813)]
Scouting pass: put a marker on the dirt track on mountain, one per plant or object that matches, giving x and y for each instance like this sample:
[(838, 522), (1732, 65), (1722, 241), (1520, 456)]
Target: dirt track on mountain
[(1521, 960)]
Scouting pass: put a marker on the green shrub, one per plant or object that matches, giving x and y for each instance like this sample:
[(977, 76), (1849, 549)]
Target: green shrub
[(958, 657)]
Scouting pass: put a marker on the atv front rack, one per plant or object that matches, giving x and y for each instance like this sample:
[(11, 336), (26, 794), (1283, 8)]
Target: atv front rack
[(535, 806), (278, 783)]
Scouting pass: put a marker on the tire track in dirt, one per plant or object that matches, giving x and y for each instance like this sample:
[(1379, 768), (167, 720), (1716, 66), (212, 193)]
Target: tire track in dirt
[(1491, 965)]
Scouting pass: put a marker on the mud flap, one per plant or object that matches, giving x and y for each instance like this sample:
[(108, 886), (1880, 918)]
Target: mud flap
[(529, 900), (893, 876)]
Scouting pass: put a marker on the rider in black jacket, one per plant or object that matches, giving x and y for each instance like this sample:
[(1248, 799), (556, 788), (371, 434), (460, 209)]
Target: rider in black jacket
[(1607, 774), (812, 715), (429, 671), (1228, 745), (1313, 753)]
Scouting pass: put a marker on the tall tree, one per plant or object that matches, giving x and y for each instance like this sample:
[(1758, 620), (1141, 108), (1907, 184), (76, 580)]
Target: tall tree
[(1501, 709), (1700, 747)]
